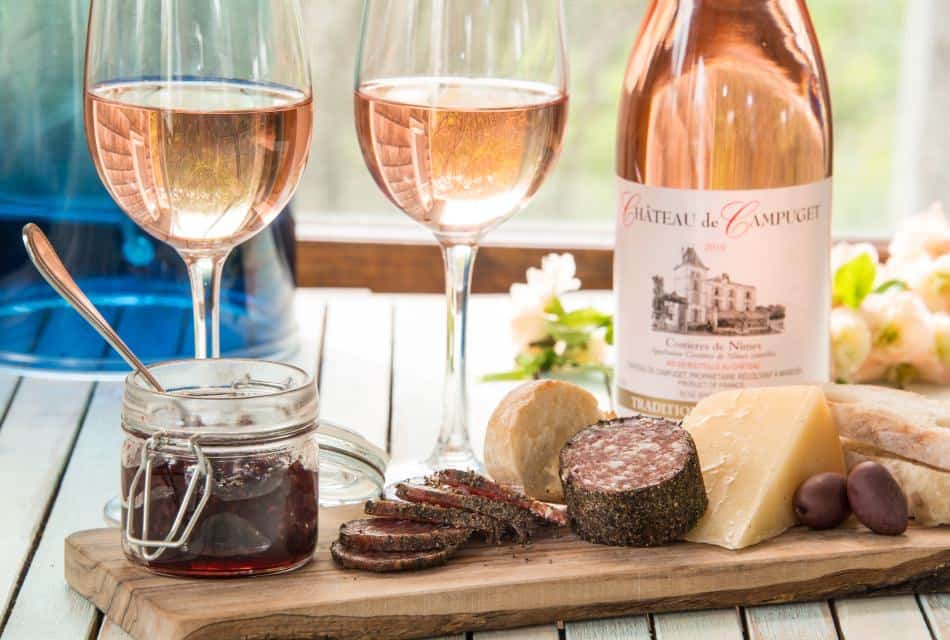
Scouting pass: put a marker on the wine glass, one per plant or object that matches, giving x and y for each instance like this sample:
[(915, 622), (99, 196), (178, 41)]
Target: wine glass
[(198, 117), (460, 109)]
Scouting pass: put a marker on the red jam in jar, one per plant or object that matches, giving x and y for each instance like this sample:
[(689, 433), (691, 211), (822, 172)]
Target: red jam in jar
[(220, 474)]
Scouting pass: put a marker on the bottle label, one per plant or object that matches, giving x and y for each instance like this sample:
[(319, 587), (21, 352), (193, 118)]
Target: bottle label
[(719, 290)]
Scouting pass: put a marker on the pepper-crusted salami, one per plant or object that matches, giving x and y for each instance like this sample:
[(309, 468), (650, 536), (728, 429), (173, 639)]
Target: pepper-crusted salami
[(521, 522), (492, 529), (632, 481), (479, 485), (385, 561), (383, 534)]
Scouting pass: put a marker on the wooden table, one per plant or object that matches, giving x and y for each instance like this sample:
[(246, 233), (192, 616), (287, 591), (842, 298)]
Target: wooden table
[(379, 365)]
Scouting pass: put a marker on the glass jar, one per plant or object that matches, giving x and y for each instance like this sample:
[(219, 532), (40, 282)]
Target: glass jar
[(220, 472)]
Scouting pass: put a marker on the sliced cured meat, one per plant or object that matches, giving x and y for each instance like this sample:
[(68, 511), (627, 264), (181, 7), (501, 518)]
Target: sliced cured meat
[(385, 561), (384, 534), (522, 522), (632, 481), (492, 529), (479, 485)]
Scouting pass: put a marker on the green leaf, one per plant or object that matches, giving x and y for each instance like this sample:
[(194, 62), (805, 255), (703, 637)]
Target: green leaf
[(854, 280), (575, 329), (572, 337), (554, 307), (514, 374), (584, 318), (537, 362), (899, 285)]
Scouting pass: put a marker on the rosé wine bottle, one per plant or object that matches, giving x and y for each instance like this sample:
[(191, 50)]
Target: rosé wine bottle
[(724, 162)]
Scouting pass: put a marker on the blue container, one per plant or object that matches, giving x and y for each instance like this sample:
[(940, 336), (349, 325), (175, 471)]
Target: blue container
[(47, 177)]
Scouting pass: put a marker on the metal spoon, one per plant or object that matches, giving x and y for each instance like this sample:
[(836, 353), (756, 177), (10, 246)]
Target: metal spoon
[(50, 266)]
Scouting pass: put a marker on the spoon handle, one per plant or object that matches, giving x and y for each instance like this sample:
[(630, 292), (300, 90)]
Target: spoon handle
[(47, 262)]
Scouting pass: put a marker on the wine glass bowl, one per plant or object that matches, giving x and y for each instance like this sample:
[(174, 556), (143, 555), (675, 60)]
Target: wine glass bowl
[(460, 109), (459, 155), (198, 118), (206, 177)]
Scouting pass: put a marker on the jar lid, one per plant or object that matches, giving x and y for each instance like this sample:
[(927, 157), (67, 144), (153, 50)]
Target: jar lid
[(352, 469)]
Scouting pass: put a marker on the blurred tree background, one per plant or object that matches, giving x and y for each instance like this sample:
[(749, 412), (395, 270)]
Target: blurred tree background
[(861, 41)]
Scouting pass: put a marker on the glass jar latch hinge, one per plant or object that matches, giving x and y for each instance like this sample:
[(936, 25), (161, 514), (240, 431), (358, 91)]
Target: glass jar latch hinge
[(202, 468)]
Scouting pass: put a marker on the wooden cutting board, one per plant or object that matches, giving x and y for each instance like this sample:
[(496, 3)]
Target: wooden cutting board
[(485, 587)]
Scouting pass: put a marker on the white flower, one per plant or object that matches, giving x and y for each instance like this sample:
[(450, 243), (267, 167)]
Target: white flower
[(934, 366), (872, 370), (524, 297), (850, 342), (900, 326), (594, 352), (843, 253), (941, 328), (930, 279), (555, 277), (527, 327), (924, 234)]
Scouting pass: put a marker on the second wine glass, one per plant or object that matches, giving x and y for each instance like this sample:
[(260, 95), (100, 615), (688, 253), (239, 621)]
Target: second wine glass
[(460, 112), (198, 117)]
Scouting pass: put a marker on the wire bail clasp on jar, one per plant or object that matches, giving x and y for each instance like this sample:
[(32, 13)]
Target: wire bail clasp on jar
[(202, 467)]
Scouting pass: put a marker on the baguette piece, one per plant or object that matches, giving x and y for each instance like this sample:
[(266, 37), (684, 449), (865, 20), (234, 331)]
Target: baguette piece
[(927, 490), (899, 423), (527, 430)]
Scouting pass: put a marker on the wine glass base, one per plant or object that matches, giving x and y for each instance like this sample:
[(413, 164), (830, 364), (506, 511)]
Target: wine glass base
[(418, 470), (464, 460), (112, 512)]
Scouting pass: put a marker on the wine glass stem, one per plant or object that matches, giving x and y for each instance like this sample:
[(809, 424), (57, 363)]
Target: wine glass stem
[(204, 272), (453, 446)]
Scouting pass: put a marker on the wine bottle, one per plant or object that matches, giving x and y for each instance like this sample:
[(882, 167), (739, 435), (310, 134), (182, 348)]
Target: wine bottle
[(724, 163)]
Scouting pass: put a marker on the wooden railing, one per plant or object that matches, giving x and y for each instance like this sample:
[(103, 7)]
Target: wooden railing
[(409, 262)]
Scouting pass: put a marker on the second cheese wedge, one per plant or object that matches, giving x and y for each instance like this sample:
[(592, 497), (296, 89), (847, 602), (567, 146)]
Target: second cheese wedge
[(756, 446)]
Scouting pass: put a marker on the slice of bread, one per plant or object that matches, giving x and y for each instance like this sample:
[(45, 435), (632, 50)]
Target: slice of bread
[(927, 490), (900, 424), (527, 430)]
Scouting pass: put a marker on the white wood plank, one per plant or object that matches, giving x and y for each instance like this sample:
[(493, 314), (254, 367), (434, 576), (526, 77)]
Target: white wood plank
[(355, 369), (717, 624), (894, 618), (8, 385), (629, 628), (418, 353), (91, 478), (546, 632), (111, 631), (800, 621), (936, 607), (35, 440), (310, 312)]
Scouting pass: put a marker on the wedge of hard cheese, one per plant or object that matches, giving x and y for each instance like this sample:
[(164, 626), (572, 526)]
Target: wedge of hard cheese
[(902, 424), (756, 446), (927, 489)]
